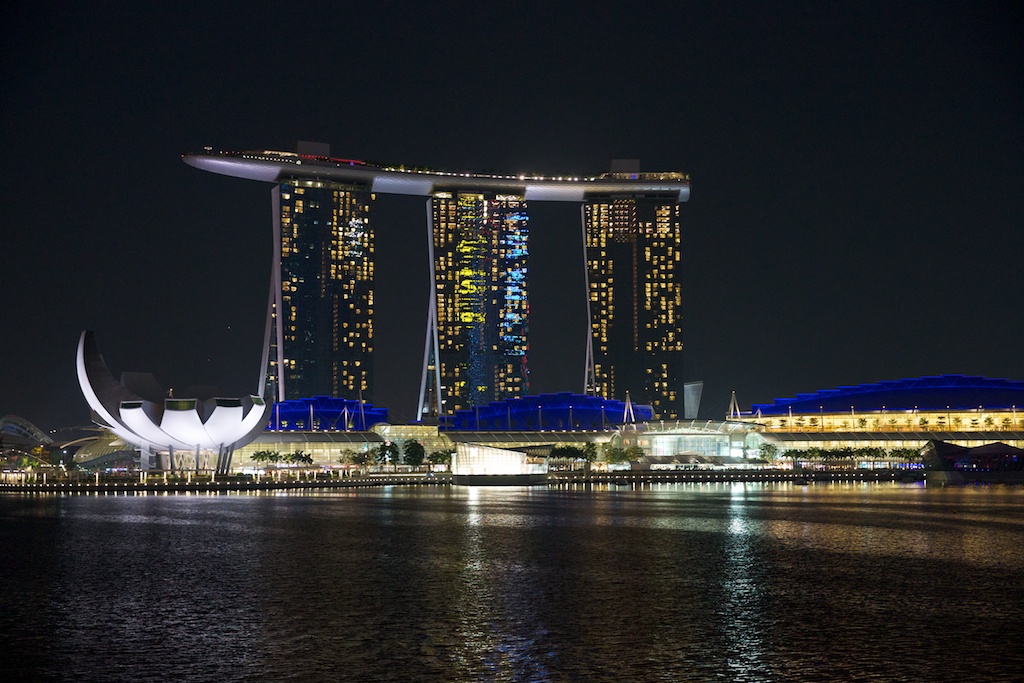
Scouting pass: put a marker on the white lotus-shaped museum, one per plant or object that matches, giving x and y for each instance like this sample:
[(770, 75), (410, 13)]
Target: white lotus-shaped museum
[(139, 411)]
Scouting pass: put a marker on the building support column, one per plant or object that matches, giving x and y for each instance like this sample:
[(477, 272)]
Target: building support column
[(431, 346), (274, 334), (589, 375)]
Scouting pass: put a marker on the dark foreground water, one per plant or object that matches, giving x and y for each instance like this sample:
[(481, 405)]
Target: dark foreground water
[(687, 582)]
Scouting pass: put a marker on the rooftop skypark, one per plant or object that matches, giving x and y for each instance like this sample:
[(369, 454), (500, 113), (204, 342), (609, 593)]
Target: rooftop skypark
[(269, 166)]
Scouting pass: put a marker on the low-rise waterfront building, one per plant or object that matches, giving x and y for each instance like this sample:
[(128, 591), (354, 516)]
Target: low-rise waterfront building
[(897, 415)]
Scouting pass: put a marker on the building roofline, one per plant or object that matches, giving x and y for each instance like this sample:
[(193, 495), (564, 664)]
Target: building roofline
[(929, 393), (272, 166)]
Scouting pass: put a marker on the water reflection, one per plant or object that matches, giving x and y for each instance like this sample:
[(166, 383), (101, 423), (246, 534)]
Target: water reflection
[(496, 600), (691, 582), (744, 617)]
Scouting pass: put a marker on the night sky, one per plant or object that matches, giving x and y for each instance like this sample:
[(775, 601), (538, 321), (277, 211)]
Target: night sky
[(857, 178)]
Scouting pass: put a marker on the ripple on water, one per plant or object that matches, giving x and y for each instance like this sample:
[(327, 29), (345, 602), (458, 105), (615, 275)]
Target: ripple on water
[(689, 583)]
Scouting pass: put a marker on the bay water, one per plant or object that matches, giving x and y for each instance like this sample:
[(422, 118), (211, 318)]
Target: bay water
[(672, 582)]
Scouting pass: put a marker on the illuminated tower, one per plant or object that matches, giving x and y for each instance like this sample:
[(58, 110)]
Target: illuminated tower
[(476, 348), (633, 280), (319, 336), (321, 295)]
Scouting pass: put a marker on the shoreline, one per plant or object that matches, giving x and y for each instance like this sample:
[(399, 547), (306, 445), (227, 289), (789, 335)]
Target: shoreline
[(556, 479)]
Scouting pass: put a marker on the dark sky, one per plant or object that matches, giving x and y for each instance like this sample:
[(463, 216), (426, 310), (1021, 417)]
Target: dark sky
[(857, 178)]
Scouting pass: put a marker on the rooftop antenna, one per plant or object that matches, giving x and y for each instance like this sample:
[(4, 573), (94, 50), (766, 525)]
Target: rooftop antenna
[(627, 413), (734, 407)]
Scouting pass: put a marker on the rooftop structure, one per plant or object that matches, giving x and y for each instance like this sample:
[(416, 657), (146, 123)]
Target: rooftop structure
[(325, 413), (272, 166), (940, 392), (561, 411)]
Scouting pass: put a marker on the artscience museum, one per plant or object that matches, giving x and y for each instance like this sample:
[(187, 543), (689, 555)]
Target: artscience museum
[(197, 433)]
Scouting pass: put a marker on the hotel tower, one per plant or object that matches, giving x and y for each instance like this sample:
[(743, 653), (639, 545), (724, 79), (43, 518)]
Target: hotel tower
[(321, 307), (632, 247), (478, 320), (320, 338)]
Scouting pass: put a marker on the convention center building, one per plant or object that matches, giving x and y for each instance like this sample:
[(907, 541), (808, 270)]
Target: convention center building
[(965, 410)]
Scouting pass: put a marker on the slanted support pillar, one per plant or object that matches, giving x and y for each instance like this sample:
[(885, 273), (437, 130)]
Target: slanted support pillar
[(431, 346), (589, 375)]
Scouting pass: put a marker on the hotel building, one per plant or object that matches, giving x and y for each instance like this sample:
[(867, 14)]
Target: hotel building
[(479, 317), (321, 304), (320, 315), (634, 297)]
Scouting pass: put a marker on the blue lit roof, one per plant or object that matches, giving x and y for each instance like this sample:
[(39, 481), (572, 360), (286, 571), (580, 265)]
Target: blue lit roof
[(325, 413), (957, 392), (563, 410)]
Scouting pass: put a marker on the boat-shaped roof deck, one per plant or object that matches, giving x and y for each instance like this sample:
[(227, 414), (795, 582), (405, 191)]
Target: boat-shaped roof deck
[(272, 166)]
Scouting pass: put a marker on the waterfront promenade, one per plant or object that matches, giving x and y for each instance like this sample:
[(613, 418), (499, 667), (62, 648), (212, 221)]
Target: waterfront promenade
[(158, 484)]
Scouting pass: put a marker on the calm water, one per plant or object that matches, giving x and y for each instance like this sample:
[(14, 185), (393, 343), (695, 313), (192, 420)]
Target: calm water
[(744, 582)]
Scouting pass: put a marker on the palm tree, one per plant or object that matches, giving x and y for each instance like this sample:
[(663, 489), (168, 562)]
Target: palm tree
[(266, 456), (299, 457)]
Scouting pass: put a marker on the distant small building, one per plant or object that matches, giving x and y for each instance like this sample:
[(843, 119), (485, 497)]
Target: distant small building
[(992, 457), (17, 433)]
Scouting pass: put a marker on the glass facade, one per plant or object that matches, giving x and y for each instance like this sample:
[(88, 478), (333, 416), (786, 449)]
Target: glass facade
[(634, 281), (323, 314), (481, 255), (477, 459), (915, 421)]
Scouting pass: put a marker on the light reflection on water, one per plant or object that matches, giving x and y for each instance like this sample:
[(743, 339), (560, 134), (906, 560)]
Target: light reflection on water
[(689, 582), (743, 612)]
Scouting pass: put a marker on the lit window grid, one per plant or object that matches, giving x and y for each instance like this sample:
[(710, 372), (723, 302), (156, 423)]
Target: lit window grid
[(481, 283), (652, 271), (954, 420), (328, 224)]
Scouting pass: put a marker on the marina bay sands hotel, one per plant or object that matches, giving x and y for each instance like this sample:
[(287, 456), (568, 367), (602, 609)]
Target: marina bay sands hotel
[(320, 314)]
